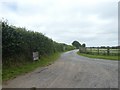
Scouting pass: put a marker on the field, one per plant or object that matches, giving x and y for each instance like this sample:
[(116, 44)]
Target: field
[(110, 57), (102, 53)]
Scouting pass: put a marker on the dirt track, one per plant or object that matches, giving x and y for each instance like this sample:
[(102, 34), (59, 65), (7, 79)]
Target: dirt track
[(71, 71)]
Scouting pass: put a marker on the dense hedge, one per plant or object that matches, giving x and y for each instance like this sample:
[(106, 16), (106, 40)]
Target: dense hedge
[(19, 43)]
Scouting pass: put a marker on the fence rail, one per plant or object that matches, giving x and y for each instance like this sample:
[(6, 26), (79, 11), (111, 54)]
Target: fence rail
[(99, 51)]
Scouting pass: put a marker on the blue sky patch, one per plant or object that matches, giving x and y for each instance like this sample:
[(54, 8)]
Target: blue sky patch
[(12, 6)]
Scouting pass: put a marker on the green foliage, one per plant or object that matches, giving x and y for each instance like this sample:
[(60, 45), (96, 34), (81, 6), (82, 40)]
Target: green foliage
[(76, 44), (83, 45), (12, 72), (18, 44)]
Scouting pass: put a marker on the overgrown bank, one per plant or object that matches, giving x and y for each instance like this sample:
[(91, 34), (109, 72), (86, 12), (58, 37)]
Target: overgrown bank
[(18, 45), (12, 72)]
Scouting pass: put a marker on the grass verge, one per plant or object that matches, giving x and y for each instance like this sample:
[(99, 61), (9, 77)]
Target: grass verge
[(11, 73), (98, 56), (0, 76)]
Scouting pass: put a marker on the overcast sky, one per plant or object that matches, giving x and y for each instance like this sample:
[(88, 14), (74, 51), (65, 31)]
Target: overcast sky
[(94, 22)]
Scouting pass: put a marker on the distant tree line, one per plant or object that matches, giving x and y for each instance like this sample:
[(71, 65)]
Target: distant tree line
[(18, 44)]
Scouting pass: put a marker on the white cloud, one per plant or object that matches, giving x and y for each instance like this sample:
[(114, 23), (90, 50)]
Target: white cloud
[(89, 21)]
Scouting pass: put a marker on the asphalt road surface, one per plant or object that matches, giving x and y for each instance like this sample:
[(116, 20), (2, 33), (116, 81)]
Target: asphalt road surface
[(70, 71)]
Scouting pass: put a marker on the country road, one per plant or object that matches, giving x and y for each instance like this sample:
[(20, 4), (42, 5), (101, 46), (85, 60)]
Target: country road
[(70, 71)]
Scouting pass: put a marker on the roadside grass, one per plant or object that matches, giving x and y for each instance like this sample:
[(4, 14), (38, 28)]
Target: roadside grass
[(99, 56), (0, 76), (10, 73)]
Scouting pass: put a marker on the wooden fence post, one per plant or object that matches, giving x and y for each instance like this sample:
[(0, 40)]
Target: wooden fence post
[(85, 49), (98, 50), (108, 50), (91, 50), (80, 49)]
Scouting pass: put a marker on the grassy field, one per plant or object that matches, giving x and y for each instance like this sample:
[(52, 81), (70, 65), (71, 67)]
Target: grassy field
[(103, 51), (99, 56), (10, 73)]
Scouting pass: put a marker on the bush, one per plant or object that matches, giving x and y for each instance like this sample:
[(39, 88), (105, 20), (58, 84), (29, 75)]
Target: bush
[(18, 44)]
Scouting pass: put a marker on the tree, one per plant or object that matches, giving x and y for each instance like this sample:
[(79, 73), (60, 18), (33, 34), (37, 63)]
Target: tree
[(76, 44), (83, 45)]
